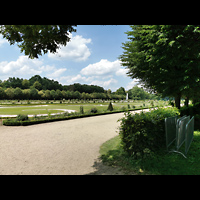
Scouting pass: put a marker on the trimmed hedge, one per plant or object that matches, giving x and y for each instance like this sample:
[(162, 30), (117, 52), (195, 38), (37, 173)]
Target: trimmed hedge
[(145, 132)]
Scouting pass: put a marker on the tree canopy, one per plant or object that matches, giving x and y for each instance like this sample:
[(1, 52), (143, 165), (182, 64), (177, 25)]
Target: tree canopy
[(137, 93), (35, 39), (43, 88), (166, 58)]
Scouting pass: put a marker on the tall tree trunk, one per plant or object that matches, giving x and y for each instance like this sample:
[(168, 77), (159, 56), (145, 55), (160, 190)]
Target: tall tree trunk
[(178, 101)]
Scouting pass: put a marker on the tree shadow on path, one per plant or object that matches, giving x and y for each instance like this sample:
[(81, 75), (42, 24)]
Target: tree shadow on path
[(101, 169)]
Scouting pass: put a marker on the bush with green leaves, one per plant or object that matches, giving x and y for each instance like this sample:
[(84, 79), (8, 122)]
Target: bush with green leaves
[(145, 132), (81, 110), (22, 117), (94, 110)]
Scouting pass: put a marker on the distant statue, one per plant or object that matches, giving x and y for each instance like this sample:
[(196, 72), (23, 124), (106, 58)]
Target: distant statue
[(127, 97)]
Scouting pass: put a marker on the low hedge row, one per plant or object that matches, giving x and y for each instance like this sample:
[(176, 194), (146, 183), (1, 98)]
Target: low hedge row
[(14, 122)]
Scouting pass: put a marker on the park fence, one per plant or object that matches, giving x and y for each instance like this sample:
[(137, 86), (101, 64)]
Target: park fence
[(179, 131)]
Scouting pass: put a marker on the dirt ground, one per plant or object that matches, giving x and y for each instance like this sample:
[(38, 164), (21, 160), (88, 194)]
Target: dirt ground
[(66, 147)]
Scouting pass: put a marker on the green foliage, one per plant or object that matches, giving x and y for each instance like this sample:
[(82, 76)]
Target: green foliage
[(121, 91), (43, 88), (157, 163), (81, 110), (25, 84), (9, 93), (137, 93), (33, 39), (64, 116), (144, 132), (110, 107), (37, 85), (11, 122), (165, 58), (18, 93), (93, 110), (22, 117)]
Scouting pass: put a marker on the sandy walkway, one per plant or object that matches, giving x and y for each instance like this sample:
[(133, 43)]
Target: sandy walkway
[(66, 147)]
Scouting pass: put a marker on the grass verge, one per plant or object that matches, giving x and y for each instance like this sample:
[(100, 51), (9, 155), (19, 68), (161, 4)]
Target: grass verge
[(159, 163)]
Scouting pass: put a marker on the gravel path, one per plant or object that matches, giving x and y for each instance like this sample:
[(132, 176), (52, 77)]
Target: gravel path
[(66, 147)]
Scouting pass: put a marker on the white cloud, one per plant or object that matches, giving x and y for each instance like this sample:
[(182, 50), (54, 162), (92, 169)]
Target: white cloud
[(133, 83), (25, 67), (104, 68), (47, 68), (75, 50), (92, 80), (105, 84), (22, 66), (75, 79), (122, 72), (57, 73), (101, 73)]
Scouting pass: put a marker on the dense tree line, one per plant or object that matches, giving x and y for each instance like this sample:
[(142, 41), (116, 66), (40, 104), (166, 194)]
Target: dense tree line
[(40, 83), (35, 94), (45, 89)]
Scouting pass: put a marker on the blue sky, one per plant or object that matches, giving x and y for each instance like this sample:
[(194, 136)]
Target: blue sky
[(91, 57)]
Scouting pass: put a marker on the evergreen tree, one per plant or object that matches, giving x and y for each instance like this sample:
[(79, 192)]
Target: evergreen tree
[(110, 107)]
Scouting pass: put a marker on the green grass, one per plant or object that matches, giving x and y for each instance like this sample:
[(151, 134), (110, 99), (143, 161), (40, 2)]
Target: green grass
[(159, 163), (12, 110), (15, 109)]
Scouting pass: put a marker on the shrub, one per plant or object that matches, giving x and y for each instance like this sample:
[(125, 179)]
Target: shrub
[(81, 110), (144, 132), (93, 110), (11, 122), (110, 107), (22, 117)]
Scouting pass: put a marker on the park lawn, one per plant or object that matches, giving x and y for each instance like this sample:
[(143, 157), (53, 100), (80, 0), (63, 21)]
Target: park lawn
[(49, 109), (159, 163), (32, 109), (27, 110)]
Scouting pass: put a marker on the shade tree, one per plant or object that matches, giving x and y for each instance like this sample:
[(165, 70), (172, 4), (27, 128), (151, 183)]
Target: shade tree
[(165, 58)]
